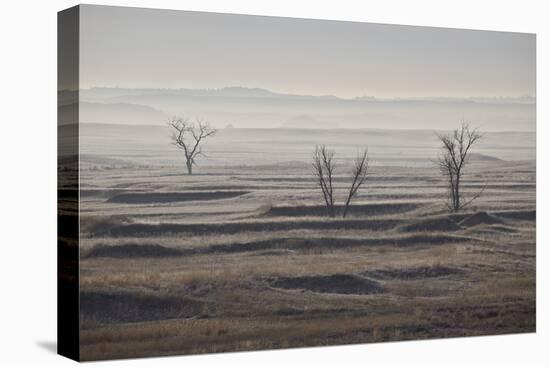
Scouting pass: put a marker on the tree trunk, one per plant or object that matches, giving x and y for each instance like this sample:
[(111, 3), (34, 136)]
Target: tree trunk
[(189, 168), (457, 192), (346, 206)]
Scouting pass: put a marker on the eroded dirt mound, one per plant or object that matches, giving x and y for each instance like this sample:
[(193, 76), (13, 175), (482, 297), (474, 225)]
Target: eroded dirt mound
[(480, 218), (119, 307), (292, 244), (358, 210), (432, 225), (132, 251), (518, 214), (413, 273), (337, 283), (165, 229), (277, 246), (171, 197)]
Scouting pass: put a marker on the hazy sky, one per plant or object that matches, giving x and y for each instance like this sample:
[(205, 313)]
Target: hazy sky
[(132, 47)]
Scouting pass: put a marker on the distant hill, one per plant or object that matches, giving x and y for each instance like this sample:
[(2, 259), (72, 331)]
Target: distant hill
[(260, 108), (121, 113), (245, 92), (98, 93)]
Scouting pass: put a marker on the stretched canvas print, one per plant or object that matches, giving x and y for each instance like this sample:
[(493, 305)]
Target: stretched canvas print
[(234, 182)]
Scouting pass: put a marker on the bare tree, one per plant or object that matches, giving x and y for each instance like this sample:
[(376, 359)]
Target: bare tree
[(323, 166), (188, 136), (359, 173), (455, 155)]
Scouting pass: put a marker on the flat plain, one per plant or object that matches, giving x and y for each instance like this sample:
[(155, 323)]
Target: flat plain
[(241, 255)]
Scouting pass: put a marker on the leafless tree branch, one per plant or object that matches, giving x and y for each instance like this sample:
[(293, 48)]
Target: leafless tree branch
[(455, 155), (323, 168), (359, 173), (189, 136)]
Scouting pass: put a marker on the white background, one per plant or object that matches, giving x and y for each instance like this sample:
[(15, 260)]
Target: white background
[(28, 183)]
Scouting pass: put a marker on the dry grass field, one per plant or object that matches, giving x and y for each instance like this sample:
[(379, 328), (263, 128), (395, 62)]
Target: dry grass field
[(241, 255)]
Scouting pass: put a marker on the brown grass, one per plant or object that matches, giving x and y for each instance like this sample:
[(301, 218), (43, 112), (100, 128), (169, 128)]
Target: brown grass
[(227, 257)]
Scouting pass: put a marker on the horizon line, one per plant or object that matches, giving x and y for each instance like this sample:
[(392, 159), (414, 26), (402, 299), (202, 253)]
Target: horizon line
[(287, 93)]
